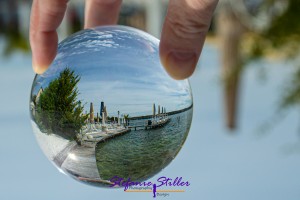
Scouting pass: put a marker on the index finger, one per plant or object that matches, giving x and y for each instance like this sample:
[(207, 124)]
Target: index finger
[(183, 35), (46, 16)]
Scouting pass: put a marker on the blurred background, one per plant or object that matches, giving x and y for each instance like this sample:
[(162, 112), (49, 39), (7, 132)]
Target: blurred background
[(244, 141)]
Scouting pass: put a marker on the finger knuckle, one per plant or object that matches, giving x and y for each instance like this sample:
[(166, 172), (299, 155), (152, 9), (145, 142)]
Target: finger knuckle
[(55, 8), (203, 5), (187, 24), (107, 3)]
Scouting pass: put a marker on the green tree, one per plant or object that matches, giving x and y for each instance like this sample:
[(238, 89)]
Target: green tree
[(241, 43), (58, 110), (283, 36)]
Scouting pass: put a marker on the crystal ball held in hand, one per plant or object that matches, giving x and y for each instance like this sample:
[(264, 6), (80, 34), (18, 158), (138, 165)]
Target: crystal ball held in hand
[(106, 107)]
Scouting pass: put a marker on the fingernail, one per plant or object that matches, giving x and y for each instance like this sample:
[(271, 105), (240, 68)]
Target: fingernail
[(38, 69), (181, 64)]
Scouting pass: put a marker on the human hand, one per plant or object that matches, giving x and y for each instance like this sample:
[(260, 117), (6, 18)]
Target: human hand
[(182, 39)]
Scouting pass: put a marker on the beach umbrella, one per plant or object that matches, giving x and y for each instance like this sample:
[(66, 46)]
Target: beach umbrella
[(91, 113), (103, 118)]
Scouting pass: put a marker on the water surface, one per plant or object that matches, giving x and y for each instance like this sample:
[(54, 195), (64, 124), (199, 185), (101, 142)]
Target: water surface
[(141, 154)]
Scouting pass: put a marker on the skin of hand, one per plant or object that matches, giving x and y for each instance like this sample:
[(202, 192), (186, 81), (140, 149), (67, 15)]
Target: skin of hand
[(183, 34)]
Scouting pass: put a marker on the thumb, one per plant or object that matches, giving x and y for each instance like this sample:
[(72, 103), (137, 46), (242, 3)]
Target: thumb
[(183, 35)]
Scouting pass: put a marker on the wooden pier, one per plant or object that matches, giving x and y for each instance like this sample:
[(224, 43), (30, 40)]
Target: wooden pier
[(112, 135), (149, 126), (168, 113), (103, 136)]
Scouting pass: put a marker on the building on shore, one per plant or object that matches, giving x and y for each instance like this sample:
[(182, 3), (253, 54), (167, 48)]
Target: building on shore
[(101, 107)]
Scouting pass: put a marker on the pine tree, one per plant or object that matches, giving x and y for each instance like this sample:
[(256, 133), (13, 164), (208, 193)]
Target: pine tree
[(59, 110)]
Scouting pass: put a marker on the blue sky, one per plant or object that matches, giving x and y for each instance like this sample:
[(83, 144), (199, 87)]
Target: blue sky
[(120, 67), (220, 165)]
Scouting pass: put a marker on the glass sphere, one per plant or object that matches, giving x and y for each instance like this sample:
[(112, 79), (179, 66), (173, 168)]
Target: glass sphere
[(106, 107)]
